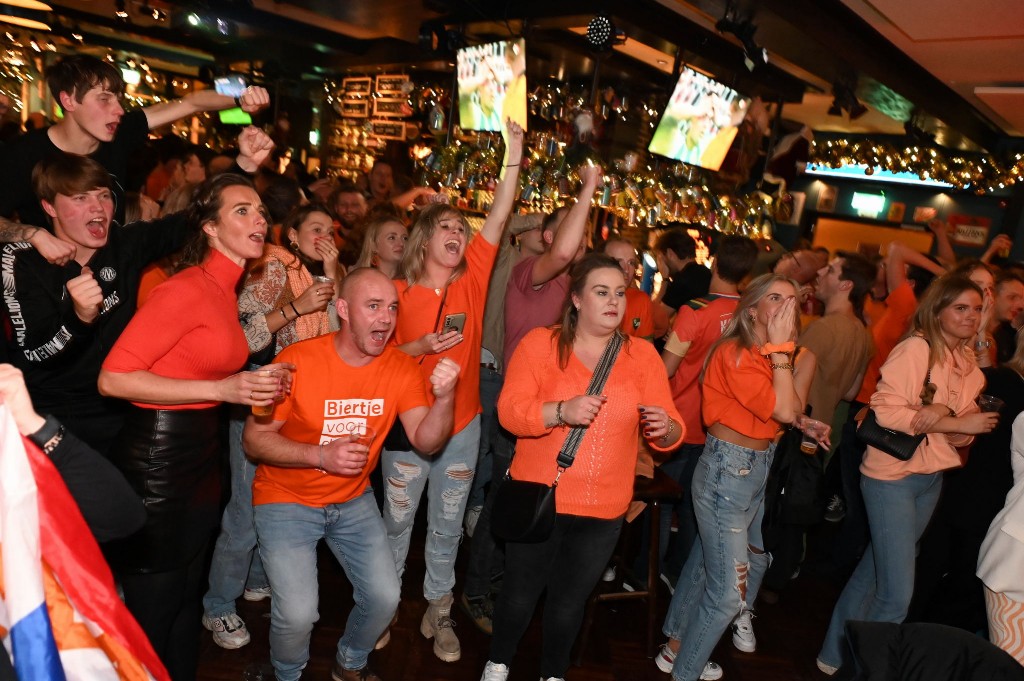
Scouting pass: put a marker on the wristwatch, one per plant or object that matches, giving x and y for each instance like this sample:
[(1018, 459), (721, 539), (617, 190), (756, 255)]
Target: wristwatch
[(49, 436)]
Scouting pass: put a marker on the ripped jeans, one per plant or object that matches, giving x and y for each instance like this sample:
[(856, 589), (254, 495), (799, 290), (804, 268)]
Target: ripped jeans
[(450, 474), (722, 575)]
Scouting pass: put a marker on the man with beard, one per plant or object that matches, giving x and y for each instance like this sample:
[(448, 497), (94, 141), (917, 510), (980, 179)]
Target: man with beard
[(315, 454)]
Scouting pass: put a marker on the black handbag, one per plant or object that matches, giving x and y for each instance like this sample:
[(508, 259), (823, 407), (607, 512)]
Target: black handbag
[(893, 442), (525, 511), (397, 440)]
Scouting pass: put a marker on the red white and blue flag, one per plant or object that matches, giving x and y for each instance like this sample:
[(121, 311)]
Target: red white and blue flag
[(60, 617)]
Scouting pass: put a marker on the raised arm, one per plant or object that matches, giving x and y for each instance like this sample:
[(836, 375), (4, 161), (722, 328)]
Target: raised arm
[(898, 257), (943, 249), (505, 194), (252, 100), (566, 244)]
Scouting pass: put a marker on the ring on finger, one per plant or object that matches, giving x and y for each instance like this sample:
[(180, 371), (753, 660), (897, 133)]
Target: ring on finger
[(250, 395)]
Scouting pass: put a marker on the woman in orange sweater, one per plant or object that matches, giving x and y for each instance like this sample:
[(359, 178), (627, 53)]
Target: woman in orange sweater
[(545, 395), (749, 393), (177, 361), (900, 496)]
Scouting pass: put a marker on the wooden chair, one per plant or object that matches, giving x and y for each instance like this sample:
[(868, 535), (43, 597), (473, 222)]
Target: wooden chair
[(658, 491)]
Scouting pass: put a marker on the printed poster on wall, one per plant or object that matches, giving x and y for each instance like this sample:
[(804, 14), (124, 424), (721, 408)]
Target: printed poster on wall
[(969, 230)]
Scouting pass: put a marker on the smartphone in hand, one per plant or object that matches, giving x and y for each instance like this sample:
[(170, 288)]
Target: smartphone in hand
[(454, 322)]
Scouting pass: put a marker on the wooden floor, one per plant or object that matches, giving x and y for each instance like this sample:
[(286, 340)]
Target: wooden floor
[(789, 634)]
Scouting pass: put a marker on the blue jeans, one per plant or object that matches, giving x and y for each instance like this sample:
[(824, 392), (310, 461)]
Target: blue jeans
[(450, 473), (354, 532), (236, 564), (882, 585), (723, 571)]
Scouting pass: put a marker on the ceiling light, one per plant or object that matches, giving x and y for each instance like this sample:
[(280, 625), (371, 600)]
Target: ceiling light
[(21, 21), (602, 33), (29, 4)]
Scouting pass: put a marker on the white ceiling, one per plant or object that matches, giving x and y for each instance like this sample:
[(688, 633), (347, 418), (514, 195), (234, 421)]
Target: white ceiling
[(976, 48)]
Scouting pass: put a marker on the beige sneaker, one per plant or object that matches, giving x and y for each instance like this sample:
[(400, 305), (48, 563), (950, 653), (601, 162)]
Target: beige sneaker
[(437, 623)]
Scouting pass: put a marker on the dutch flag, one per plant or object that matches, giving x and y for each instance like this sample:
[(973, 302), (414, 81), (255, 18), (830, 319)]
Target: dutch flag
[(60, 616)]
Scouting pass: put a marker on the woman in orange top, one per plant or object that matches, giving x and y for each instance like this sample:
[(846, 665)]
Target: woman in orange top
[(749, 394), (900, 496), (280, 304), (444, 273), (177, 361), (544, 395)]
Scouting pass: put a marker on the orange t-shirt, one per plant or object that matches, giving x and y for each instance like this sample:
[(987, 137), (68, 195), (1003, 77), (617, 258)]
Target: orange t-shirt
[(329, 398), (886, 333), (699, 322), (639, 318), (738, 392), (599, 484), (417, 311)]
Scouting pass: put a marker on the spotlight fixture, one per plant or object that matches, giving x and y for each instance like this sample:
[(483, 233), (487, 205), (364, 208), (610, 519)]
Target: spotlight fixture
[(602, 33), (120, 11), (845, 99)]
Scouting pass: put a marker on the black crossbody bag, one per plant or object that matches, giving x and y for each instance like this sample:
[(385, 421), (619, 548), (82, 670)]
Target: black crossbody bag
[(525, 511), (893, 442)]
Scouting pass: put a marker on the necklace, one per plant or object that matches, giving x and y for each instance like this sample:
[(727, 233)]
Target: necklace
[(437, 291)]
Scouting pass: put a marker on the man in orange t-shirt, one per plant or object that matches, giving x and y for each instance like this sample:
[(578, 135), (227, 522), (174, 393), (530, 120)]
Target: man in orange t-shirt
[(315, 454), (639, 318)]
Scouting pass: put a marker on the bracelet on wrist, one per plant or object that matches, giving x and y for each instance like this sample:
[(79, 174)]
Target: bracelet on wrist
[(671, 429), (283, 315), (788, 366), (295, 310), (559, 421), (783, 348)]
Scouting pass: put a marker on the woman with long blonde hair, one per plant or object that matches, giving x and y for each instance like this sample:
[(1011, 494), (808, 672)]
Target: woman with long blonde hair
[(384, 242), (441, 299), (750, 394)]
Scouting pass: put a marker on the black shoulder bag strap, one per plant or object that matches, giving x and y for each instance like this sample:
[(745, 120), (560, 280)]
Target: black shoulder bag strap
[(597, 381)]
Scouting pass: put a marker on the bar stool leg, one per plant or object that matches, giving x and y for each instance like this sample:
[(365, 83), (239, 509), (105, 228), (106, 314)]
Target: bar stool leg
[(653, 570)]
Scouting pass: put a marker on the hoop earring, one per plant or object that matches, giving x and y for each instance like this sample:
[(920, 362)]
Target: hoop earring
[(294, 245)]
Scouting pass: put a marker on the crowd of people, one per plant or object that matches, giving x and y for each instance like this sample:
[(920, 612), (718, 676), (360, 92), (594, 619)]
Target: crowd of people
[(345, 353)]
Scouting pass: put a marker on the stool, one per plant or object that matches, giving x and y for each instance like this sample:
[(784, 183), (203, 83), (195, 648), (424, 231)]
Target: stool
[(656, 491)]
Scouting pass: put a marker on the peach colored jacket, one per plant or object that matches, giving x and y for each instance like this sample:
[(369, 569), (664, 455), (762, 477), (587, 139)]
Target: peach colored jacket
[(958, 381)]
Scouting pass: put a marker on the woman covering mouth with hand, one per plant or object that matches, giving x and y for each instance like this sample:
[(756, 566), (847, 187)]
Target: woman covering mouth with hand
[(444, 273)]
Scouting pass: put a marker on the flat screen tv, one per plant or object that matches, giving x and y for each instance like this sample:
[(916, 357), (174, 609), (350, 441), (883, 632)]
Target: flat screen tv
[(492, 85), (700, 121)]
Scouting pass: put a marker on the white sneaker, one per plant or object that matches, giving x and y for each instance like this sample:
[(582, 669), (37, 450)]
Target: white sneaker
[(743, 632), (494, 672), (228, 630), (472, 516), (553, 678), (609, 574), (260, 593), (712, 672), (665, 658)]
